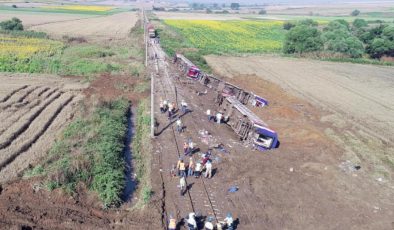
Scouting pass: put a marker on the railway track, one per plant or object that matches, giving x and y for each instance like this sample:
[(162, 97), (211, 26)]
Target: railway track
[(168, 89)]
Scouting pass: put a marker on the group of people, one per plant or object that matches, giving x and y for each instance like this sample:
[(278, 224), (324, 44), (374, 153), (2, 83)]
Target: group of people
[(218, 117), (170, 107), (191, 222), (195, 169)]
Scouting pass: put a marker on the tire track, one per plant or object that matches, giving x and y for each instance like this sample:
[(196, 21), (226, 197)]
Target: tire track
[(18, 128), (12, 93), (38, 129)]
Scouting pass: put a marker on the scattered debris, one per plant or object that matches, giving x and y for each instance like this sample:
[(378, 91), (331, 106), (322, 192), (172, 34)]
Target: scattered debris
[(349, 167), (233, 189)]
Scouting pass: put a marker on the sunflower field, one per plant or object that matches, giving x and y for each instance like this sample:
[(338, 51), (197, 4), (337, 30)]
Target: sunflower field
[(19, 53), (231, 36)]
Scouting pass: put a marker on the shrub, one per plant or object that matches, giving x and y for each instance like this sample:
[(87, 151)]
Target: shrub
[(355, 13), (13, 24), (288, 25)]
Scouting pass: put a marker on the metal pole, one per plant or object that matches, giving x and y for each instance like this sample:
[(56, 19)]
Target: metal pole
[(152, 106)]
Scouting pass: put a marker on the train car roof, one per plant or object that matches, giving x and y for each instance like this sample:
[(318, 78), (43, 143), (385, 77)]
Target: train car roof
[(187, 61), (245, 111)]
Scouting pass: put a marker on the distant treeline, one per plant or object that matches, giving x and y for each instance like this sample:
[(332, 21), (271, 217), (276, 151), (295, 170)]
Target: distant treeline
[(357, 39)]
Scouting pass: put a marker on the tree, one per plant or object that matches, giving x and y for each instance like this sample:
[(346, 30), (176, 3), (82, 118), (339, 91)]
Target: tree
[(355, 13), (388, 33), (338, 38), (308, 22), (301, 39), (380, 47), (288, 25), (359, 23), (262, 11), (13, 24), (234, 6)]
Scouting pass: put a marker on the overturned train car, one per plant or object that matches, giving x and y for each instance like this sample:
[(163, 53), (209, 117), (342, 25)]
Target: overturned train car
[(247, 125)]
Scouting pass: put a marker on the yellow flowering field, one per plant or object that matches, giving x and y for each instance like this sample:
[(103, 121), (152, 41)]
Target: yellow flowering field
[(231, 36), (26, 54), (81, 8), (24, 47)]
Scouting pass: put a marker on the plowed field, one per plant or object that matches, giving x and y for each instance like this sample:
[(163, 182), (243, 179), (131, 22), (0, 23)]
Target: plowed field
[(32, 111)]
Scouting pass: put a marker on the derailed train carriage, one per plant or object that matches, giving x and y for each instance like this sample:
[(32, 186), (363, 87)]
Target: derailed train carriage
[(247, 125), (232, 99)]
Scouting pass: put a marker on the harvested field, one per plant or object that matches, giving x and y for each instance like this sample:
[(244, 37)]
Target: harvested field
[(35, 19), (111, 27), (33, 110)]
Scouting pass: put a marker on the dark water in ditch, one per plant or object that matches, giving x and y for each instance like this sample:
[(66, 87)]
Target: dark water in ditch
[(130, 182)]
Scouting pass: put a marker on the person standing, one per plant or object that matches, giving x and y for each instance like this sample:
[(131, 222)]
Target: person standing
[(219, 117), (191, 148), (209, 115), (179, 126), (185, 148), (172, 223), (161, 107), (183, 106), (182, 185), (208, 224), (182, 169), (197, 170), (191, 167), (229, 221), (208, 167), (191, 221)]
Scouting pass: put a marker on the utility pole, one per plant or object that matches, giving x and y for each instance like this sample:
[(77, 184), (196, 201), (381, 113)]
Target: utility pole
[(152, 106)]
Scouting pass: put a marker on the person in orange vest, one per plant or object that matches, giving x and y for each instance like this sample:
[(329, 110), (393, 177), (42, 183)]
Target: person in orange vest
[(182, 169), (172, 223)]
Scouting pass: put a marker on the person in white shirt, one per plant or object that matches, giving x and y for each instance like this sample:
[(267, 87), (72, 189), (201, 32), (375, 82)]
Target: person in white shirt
[(208, 167), (191, 221), (209, 115), (208, 225), (229, 221), (179, 126), (197, 170), (219, 118), (183, 106)]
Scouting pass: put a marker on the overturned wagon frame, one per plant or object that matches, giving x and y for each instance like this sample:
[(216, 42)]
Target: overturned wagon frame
[(247, 125)]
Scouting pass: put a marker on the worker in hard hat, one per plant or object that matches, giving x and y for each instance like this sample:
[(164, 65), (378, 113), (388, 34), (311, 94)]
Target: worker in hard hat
[(229, 221), (172, 223), (191, 221)]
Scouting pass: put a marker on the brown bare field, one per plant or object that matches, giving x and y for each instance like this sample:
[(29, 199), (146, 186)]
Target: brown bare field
[(103, 28), (33, 109), (34, 19)]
